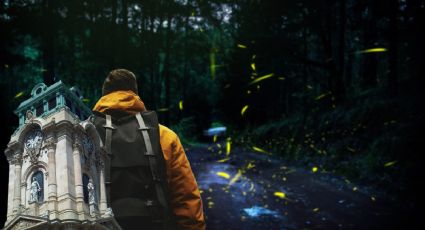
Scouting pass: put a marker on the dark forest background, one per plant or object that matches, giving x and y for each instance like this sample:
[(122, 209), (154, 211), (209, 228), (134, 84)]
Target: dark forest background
[(335, 84)]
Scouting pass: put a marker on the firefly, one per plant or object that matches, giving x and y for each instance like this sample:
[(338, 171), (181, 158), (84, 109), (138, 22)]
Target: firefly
[(280, 194), (162, 109), (223, 160), (181, 105), (260, 150), (228, 146), (320, 96), (261, 78), (236, 177), (18, 95), (244, 109), (390, 163), (372, 50), (212, 65), (223, 174)]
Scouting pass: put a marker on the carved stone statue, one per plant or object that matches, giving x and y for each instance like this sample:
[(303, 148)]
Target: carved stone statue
[(35, 188), (29, 116), (90, 188), (92, 200)]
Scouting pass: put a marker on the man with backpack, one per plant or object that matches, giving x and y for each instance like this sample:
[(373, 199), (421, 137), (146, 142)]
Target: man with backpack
[(149, 181)]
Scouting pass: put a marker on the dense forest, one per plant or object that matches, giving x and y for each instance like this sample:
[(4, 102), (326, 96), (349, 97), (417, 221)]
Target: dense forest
[(331, 84)]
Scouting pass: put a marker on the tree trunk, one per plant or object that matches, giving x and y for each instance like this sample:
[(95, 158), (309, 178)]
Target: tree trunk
[(393, 48), (370, 59), (185, 65), (326, 35), (71, 29), (112, 39), (167, 75), (339, 78), (152, 59), (48, 43)]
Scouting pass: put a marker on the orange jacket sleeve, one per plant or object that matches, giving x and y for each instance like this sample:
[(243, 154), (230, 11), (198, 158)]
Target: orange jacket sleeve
[(186, 201)]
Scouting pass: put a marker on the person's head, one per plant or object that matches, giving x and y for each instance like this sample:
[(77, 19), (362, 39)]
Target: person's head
[(119, 79)]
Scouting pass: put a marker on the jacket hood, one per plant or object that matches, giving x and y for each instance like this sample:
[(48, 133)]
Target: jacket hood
[(125, 101)]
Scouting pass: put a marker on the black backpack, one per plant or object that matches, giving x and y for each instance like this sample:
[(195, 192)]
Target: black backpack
[(135, 172)]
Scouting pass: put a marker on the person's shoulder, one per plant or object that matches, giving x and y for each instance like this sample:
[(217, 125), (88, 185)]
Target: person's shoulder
[(167, 134)]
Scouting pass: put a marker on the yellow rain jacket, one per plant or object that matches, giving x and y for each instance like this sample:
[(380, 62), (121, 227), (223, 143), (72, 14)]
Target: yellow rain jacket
[(186, 200)]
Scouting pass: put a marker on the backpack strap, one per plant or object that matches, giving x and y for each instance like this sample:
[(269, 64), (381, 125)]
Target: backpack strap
[(108, 140), (152, 162)]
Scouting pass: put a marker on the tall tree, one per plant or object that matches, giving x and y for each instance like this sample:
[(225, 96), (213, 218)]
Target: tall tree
[(370, 61), (393, 46), (48, 39)]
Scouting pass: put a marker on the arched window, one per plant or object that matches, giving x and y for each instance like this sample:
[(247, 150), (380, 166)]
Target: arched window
[(37, 188), (85, 189)]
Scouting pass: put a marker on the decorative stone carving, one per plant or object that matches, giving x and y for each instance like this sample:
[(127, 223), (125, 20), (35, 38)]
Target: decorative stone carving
[(50, 143), (9, 155), (17, 159), (108, 212), (33, 143), (29, 116), (33, 155), (77, 145), (24, 224)]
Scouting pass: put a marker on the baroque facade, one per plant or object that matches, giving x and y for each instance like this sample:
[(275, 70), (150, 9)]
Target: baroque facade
[(56, 170)]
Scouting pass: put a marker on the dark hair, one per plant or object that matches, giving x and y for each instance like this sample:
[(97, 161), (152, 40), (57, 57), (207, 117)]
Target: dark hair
[(119, 79)]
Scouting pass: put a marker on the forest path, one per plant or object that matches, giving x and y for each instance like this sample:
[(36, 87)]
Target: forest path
[(254, 190)]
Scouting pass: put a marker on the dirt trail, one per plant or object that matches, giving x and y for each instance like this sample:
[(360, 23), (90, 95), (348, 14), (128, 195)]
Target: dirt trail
[(253, 190)]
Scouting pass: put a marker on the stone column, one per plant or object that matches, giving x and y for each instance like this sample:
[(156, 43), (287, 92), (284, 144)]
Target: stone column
[(65, 171), (102, 200), (10, 193), (23, 193), (51, 179), (17, 161), (77, 150)]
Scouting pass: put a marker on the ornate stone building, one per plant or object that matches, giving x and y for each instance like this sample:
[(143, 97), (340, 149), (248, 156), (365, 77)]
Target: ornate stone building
[(56, 171)]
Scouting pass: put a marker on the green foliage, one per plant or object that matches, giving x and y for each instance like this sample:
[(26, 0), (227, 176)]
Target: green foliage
[(358, 140), (216, 124), (186, 130)]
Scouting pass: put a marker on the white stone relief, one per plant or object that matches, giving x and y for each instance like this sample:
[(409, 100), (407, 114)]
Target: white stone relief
[(33, 143)]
